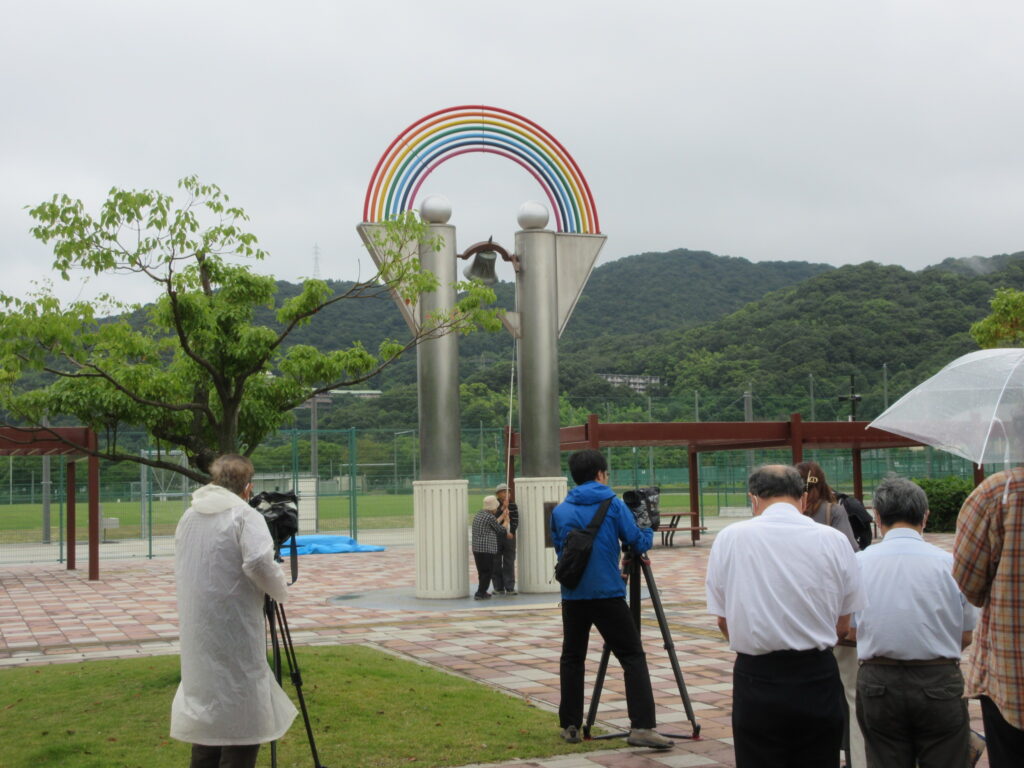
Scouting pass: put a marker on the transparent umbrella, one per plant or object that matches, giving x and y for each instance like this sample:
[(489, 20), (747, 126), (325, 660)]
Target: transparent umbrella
[(974, 408)]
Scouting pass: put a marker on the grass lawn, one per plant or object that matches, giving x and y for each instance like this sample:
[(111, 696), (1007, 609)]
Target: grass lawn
[(368, 708), (20, 523)]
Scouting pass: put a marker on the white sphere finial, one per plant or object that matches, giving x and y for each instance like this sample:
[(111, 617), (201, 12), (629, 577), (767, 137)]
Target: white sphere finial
[(533, 215), (436, 209)]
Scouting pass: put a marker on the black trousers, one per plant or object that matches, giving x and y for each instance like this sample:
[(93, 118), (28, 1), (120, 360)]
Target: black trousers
[(484, 568), (787, 710), (504, 574), (1004, 743), (913, 715), (242, 756), (615, 623)]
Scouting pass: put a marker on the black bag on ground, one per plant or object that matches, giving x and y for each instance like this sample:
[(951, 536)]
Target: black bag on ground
[(576, 552), (860, 519)]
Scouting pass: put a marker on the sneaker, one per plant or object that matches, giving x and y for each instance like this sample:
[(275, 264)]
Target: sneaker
[(511, 592), (975, 749), (484, 596), (646, 737), (571, 734)]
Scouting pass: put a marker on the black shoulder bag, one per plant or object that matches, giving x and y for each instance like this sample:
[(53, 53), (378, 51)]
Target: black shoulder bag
[(576, 552)]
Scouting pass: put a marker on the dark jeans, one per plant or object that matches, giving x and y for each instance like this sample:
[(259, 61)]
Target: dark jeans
[(1004, 743), (484, 567), (913, 715), (505, 565), (787, 710), (242, 756), (615, 623)]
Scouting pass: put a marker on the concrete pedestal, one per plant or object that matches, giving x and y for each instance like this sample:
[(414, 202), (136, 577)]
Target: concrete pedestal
[(536, 563), (442, 538)]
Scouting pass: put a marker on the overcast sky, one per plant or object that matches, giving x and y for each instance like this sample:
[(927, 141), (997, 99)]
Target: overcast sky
[(819, 130)]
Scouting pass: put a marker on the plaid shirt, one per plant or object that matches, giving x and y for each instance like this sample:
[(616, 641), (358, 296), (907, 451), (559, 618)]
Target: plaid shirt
[(988, 564), (486, 530)]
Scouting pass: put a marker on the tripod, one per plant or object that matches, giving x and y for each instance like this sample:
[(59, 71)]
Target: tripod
[(632, 565), (276, 618)]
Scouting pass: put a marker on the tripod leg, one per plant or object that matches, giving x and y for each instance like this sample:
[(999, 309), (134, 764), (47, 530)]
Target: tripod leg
[(296, 678), (595, 698), (666, 636), (270, 608)]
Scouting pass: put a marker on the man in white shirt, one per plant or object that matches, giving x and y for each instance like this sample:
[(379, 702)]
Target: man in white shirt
[(783, 588), (910, 701)]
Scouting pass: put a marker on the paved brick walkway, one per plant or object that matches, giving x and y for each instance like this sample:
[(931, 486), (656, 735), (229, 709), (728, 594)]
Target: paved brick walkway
[(49, 615)]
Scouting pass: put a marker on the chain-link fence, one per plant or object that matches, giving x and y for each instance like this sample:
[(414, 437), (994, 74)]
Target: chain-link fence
[(362, 487)]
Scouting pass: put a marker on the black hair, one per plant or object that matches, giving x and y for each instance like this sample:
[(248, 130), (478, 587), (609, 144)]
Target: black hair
[(584, 465)]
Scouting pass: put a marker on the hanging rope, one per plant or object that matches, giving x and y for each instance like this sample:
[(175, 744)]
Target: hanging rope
[(511, 392)]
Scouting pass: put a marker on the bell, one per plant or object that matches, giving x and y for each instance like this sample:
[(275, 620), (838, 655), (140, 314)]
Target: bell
[(482, 268)]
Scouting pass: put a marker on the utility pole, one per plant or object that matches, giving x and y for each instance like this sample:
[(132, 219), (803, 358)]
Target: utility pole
[(696, 405), (853, 397), (650, 448), (748, 415), (810, 377), (316, 261)]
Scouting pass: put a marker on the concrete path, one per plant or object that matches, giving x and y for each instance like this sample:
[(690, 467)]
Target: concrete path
[(50, 615)]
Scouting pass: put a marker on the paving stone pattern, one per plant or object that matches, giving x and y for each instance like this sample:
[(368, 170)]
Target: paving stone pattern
[(51, 615)]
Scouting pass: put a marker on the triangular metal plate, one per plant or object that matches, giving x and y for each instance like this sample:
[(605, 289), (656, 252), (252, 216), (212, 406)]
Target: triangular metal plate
[(511, 322), (576, 255), (410, 310)]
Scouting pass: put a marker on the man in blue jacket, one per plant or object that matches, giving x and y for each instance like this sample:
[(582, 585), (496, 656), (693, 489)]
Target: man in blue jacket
[(600, 600)]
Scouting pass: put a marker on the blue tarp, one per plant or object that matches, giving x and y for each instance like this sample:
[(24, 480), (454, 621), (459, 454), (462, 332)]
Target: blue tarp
[(323, 544)]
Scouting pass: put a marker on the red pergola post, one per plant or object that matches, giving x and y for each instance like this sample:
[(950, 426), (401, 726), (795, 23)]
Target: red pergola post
[(592, 429), (858, 475), (979, 474), (70, 483), (691, 455), (796, 437), (94, 512)]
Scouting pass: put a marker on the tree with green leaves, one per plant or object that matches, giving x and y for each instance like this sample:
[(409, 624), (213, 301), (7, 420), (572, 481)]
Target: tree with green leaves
[(1004, 327), (200, 375)]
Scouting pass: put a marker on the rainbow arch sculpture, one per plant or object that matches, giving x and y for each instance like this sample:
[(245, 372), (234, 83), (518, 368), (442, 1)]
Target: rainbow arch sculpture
[(440, 136)]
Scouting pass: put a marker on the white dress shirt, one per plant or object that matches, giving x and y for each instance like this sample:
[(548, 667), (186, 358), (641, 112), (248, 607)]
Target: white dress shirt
[(782, 581), (915, 610)]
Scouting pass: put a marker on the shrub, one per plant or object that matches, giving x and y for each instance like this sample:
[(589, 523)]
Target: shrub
[(945, 497)]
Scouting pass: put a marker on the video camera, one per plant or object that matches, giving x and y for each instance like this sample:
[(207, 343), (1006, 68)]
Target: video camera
[(644, 502), (281, 511)]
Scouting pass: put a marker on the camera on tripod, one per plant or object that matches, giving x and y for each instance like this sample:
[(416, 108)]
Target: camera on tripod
[(644, 502), (281, 512)]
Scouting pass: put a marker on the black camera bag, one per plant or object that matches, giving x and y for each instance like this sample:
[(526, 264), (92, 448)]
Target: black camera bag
[(577, 548)]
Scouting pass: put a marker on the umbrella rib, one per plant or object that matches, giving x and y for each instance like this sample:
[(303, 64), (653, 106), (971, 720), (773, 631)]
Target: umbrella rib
[(993, 418)]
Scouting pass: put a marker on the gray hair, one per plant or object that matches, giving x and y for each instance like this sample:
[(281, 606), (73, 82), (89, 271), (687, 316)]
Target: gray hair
[(773, 481), (232, 471), (899, 500)]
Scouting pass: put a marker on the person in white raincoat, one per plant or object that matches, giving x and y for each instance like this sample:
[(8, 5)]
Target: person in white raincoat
[(228, 702)]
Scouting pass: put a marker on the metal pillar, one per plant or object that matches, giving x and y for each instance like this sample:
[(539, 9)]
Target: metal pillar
[(437, 362), (440, 497), (538, 353)]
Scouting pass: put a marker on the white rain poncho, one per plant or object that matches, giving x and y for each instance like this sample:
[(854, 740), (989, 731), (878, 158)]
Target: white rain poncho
[(224, 564)]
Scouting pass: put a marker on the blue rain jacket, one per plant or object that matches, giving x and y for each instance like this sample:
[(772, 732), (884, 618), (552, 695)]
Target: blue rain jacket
[(602, 578)]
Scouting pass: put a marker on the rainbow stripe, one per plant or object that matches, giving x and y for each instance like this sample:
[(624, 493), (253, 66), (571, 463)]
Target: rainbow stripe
[(448, 133)]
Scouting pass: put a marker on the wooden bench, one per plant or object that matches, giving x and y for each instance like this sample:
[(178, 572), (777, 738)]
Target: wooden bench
[(668, 530)]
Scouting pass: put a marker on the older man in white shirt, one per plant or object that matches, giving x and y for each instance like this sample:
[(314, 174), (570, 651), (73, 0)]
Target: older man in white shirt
[(784, 588), (910, 703)]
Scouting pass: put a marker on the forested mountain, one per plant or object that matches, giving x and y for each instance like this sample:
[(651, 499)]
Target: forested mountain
[(887, 326), (709, 326)]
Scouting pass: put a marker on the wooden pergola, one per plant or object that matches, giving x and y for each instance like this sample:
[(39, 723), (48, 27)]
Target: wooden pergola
[(711, 436), (75, 443)]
